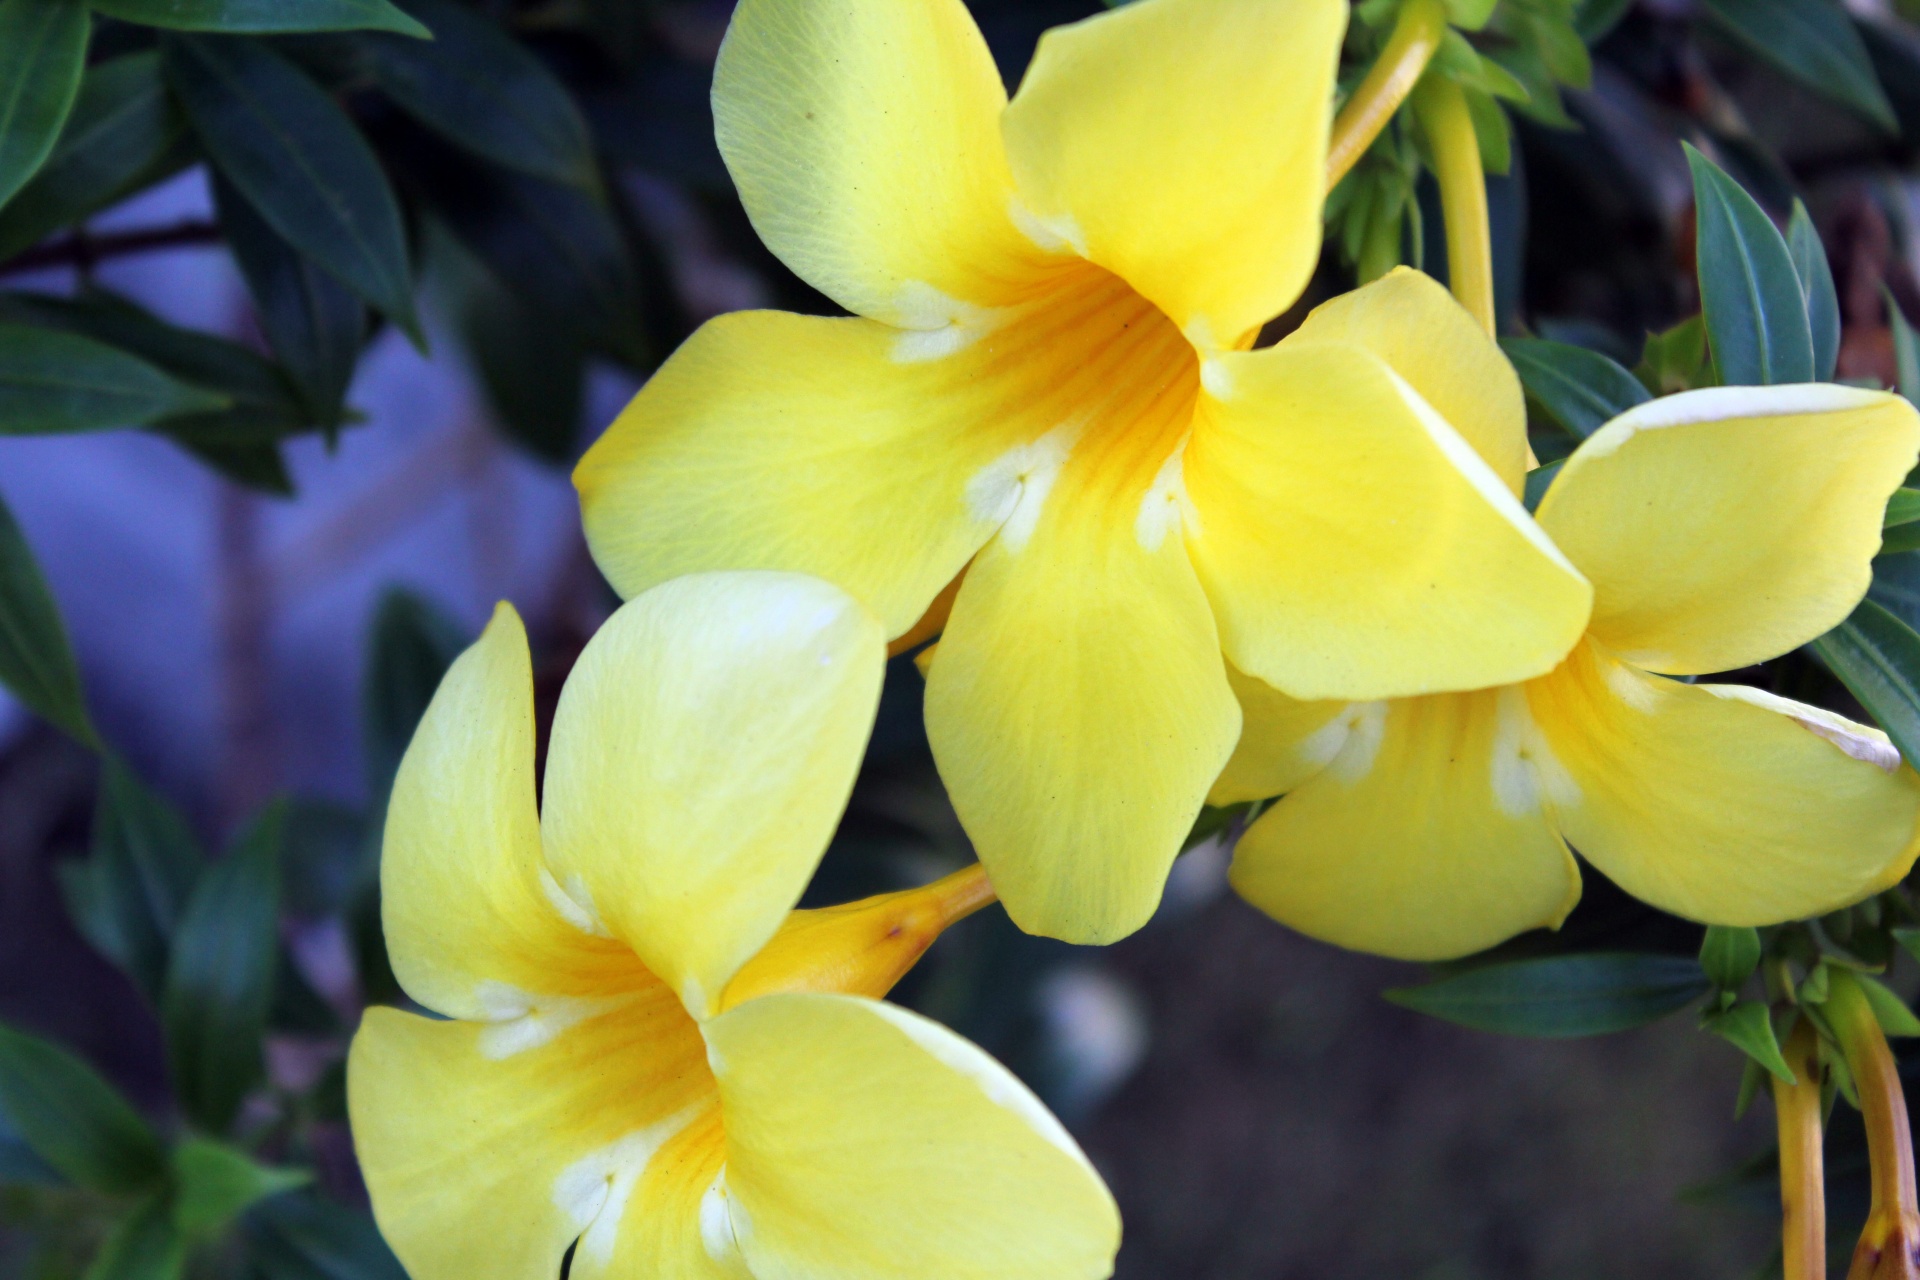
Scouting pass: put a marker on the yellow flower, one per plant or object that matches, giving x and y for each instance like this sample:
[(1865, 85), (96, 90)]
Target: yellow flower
[(1046, 384), (1720, 528), (647, 1052)]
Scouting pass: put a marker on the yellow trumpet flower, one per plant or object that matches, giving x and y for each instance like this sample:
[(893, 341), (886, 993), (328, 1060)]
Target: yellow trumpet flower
[(1720, 528), (647, 1052), (1048, 383)]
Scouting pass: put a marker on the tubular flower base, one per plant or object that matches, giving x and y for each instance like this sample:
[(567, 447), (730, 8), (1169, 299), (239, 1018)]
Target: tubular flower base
[(1047, 382), (649, 1053), (1889, 1247), (1720, 528), (1803, 1186)]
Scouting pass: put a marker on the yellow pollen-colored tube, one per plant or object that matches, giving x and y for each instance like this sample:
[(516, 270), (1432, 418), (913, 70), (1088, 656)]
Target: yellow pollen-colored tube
[(1416, 34), (1803, 1199), (1442, 112), (1889, 1247)]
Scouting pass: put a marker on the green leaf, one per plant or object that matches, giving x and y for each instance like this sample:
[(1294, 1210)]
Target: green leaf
[(1889, 1010), (1906, 350), (1561, 996), (1902, 508), (127, 896), (255, 465), (1582, 390), (1877, 657), (1816, 287), (220, 982), (1752, 1076), (1677, 360), (264, 17), (124, 134), (43, 53), (534, 373), (74, 1120), (1595, 18), (1729, 954), (1813, 41), (1469, 15), (299, 160), (1755, 312), (1749, 1028), (54, 383), (302, 1237), (315, 324), (482, 90), (145, 1246), (36, 662), (214, 1184), (18, 1163), (1539, 480)]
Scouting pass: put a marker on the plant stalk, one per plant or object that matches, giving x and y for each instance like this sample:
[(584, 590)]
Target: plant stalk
[(1889, 1247), (1441, 109), (1416, 34), (1803, 1198)]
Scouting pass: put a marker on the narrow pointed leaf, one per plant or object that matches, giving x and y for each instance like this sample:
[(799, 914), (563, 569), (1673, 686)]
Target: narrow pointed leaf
[(1561, 996), (145, 1246), (264, 17), (124, 134), (43, 52), (1889, 1010), (1906, 350), (1749, 1028), (216, 1183), (1582, 390), (1815, 42), (1755, 312), (1816, 286), (481, 89), (302, 1237), (1902, 508), (289, 149), (221, 978), (1539, 480), (73, 1119), (36, 662), (1877, 656)]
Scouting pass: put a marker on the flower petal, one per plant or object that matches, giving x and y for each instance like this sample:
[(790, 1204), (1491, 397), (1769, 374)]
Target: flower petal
[(1410, 321), (470, 920), (1078, 707), (487, 1156), (1283, 741), (864, 138), (868, 1143), (1353, 544), (774, 441), (1728, 526), (1720, 803), (1424, 838), (702, 752), (1183, 145)]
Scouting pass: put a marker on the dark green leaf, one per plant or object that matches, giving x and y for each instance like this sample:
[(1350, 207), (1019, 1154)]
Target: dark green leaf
[(1889, 1010), (411, 646), (1903, 507), (145, 1246), (314, 324), (1908, 936), (484, 91), (1755, 312), (220, 983), (296, 1006), (296, 156), (1561, 996), (1749, 1028), (43, 52), (59, 382), (264, 17), (36, 662), (302, 1237), (259, 466), (1906, 350), (18, 1163), (74, 1120), (1816, 286), (1539, 480), (1815, 42), (124, 134), (214, 1184), (1729, 954), (1877, 657), (534, 372), (1583, 390), (1595, 18), (128, 894)]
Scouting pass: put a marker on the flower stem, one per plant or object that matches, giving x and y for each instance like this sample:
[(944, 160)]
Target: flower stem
[(1416, 34), (1889, 1247), (1803, 1199), (1442, 111)]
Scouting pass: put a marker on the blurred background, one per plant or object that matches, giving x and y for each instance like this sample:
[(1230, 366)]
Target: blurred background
[(260, 607)]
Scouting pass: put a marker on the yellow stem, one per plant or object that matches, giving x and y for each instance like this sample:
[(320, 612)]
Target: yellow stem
[(1416, 34), (1889, 1247), (1803, 1200), (1442, 111)]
